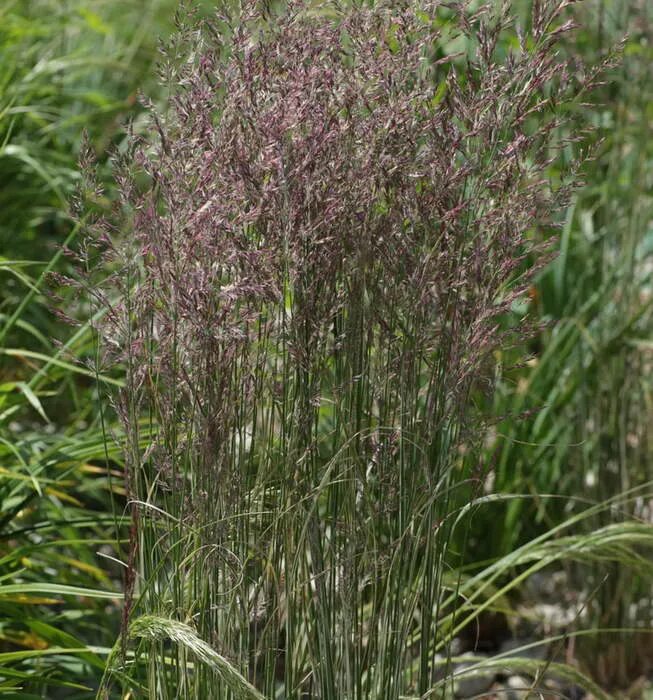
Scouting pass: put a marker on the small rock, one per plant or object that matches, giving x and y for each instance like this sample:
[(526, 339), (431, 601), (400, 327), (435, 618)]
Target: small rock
[(517, 688), (473, 683), (440, 668), (548, 586), (554, 616)]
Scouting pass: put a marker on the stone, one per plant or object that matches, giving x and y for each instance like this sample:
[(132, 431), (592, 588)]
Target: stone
[(517, 688), (473, 683)]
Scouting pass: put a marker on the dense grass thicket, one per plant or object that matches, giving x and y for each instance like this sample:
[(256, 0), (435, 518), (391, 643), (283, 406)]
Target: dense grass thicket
[(325, 349)]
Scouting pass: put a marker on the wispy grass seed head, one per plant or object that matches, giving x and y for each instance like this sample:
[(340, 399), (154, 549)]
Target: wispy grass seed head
[(320, 239)]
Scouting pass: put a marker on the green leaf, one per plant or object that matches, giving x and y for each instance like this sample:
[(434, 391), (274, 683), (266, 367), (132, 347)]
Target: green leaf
[(19, 352), (63, 639), (33, 399), (57, 589)]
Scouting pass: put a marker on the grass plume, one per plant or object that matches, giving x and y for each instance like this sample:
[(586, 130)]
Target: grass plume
[(315, 253)]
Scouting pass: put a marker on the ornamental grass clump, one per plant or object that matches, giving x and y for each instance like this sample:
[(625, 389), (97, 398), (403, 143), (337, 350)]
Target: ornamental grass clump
[(319, 244)]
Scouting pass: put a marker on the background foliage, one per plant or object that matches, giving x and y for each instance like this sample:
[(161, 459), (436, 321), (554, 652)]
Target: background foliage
[(572, 424)]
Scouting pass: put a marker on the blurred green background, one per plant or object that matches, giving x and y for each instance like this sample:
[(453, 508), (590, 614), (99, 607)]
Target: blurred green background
[(69, 66)]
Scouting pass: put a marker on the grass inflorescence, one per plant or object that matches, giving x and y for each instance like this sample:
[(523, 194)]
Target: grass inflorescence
[(318, 248)]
